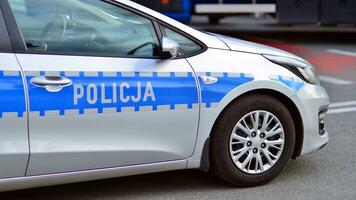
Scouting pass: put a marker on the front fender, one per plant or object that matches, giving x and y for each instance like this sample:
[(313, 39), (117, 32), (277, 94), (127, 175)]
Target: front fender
[(209, 115)]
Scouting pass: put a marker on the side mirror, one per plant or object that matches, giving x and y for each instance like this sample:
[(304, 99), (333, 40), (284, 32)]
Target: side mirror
[(170, 48)]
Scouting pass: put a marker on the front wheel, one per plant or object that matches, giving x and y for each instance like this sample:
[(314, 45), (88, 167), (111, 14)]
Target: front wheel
[(252, 141)]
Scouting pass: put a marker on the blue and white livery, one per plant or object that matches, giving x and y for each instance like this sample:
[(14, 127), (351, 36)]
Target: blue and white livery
[(99, 89)]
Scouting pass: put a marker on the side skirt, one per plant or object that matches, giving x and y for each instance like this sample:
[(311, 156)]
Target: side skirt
[(88, 175)]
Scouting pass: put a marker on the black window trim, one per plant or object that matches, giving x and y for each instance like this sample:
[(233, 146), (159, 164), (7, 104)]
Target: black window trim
[(19, 46), (16, 39), (198, 42), (4, 36)]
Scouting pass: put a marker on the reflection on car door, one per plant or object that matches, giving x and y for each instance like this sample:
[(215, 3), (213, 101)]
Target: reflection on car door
[(121, 112), (14, 149), (99, 110)]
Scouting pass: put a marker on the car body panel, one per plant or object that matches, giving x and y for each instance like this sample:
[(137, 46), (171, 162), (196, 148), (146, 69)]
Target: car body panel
[(235, 44), (310, 101), (14, 147), (260, 69), (80, 127), (74, 138), (9, 184)]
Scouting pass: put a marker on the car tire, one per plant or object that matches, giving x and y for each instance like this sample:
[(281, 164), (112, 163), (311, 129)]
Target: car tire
[(221, 143)]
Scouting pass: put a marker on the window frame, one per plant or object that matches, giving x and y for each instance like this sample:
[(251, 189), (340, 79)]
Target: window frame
[(16, 39), (19, 46), (196, 41), (4, 35), (158, 23)]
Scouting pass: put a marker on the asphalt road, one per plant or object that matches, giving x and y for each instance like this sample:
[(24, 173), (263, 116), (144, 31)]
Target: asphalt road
[(327, 174)]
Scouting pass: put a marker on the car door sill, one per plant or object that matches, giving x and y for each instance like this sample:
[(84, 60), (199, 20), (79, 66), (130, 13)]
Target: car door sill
[(9, 184)]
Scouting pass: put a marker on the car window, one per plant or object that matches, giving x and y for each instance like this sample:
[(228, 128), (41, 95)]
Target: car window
[(186, 45), (84, 26)]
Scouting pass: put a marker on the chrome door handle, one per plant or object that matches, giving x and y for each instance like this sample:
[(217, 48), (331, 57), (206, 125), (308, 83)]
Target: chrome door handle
[(51, 83)]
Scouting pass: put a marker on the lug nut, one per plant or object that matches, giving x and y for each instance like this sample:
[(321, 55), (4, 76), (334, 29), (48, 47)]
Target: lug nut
[(249, 143), (254, 150), (253, 134), (262, 135), (263, 145)]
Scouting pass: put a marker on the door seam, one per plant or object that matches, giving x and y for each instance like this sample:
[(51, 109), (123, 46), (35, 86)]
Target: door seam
[(27, 103)]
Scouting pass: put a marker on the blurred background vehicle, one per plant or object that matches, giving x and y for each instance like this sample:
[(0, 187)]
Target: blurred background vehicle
[(180, 10), (326, 12)]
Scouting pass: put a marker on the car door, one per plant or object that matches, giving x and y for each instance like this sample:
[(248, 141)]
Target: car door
[(14, 149), (99, 94)]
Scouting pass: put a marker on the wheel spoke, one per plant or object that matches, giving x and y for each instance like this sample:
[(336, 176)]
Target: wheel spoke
[(246, 161), (237, 154), (244, 121), (246, 130), (268, 157), (237, 142), (274, 132), (274, 142), (259, 163), (249, 164), (256, 120), (276, 147), (274, 128), (239, 138), (265, 122), (271, 155)]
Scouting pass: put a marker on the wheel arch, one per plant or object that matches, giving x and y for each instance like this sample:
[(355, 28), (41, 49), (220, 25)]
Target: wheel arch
[(200, 158), (291, 106)]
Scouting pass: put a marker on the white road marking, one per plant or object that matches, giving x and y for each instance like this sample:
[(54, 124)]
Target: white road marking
[(334, 80), (342, 107), (342, 110), (342, 104), (341, 52)]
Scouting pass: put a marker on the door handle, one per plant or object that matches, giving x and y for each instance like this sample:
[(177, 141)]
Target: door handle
[(51, 83)]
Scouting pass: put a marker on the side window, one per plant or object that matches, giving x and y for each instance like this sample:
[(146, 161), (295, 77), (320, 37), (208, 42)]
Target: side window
[(187, 46), (91, 27)]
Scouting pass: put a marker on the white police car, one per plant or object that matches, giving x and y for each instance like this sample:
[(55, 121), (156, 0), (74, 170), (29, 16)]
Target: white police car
[(96, 89)]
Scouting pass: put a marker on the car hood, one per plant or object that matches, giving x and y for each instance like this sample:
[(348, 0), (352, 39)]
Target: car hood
[(250, 47)]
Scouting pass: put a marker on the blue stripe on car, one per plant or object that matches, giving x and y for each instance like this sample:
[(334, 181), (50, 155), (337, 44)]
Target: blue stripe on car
[(292, 83), (175, 90), (12, 95)]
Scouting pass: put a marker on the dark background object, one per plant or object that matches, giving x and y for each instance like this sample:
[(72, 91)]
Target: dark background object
[(298, 11), (162, 6), (153, 4), (338, 11)]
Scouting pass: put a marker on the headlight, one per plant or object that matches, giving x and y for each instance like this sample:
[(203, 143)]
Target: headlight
[(302, 69)]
